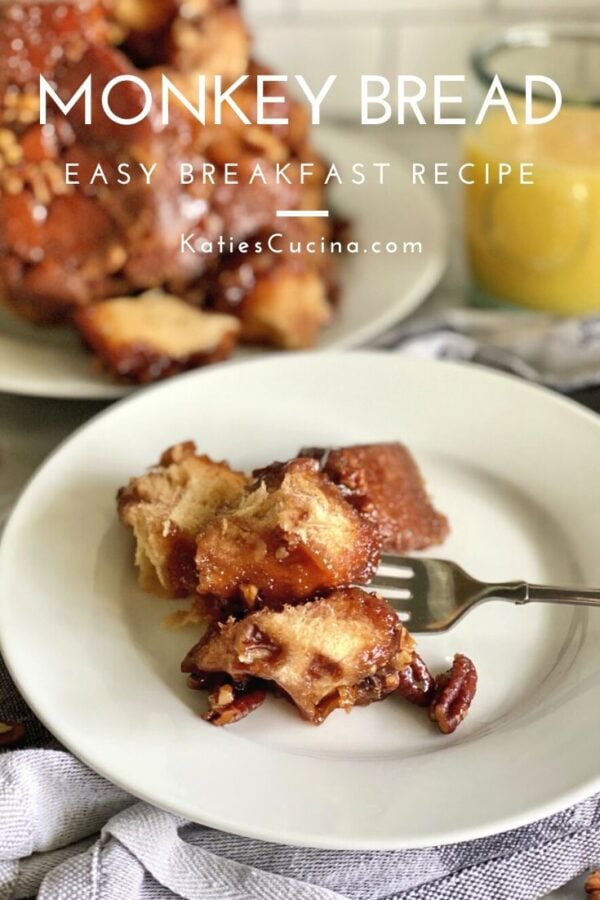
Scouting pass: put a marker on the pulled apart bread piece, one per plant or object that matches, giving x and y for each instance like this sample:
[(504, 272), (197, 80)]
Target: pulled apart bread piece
[(384, 483), (345, 650), (283, 301), (286, 306), (291, 535), (143, 339), (167, 507)]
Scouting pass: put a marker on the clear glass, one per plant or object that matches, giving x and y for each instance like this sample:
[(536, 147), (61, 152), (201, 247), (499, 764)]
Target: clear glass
[(538, 245)]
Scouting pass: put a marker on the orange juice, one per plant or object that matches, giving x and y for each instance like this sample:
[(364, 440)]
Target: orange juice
[(538, 245)]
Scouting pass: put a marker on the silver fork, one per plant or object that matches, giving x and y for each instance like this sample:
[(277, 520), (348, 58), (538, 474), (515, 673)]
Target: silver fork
[(433, 594)]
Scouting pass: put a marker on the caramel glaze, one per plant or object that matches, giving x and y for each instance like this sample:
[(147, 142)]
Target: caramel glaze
[(139, 363), (286, 651), (66, 246), (229, 286), (383, 482), (290, 553)]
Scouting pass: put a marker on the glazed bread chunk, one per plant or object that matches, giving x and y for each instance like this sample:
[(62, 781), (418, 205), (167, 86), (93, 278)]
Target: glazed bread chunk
[(211, 42), (287, 308), (344, 650), (289, 536), (146, 16), (167, 507), (384, 483), (130, 239), (196, 37), (144, 339), (278, 303)]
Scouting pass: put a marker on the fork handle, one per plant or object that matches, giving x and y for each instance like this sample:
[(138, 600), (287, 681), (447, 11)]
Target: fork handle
[(520, 592)]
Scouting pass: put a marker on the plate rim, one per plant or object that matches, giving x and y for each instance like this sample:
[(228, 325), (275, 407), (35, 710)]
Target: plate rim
[(433, 269), (460, 835)]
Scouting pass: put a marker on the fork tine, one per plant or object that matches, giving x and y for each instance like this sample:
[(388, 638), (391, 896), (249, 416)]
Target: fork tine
[(393, 581), (398, 562), (421, 584)]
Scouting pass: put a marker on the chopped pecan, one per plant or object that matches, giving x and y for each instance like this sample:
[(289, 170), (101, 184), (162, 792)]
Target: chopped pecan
[(250, 594), (454, 693), (592, 886), (10, 733), (227, 707), (212, 681), (376, 687), (207, 681), (416, 682), (258, 645)]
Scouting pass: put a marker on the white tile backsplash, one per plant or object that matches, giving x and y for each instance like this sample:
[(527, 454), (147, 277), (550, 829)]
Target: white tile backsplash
[(544, 6), (387, 6), (428, 50), (331, 49), (258, 9), (354, 37)]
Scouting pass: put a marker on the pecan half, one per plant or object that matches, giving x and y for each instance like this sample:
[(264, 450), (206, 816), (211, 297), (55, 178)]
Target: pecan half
[(592, 886), (416, 682), (454, 693), (227, 707), (10, 733)]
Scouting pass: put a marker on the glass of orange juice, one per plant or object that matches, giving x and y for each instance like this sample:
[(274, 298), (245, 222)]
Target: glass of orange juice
[(534, 240)]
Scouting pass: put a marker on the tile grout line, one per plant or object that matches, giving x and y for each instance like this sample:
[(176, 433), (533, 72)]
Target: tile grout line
[(390, 40)]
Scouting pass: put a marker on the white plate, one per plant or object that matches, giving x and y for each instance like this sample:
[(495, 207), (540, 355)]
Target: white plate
[(515, 468), (377, 290)]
